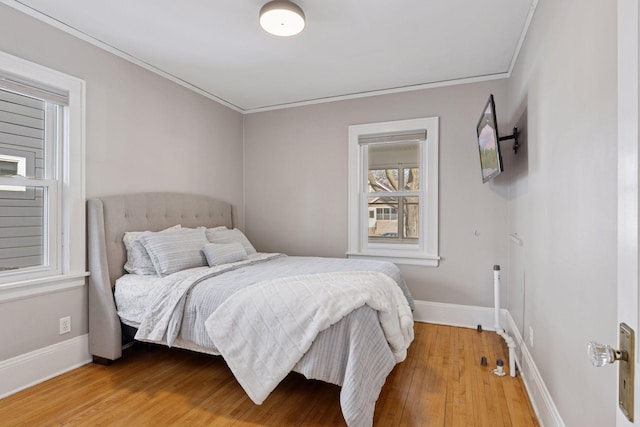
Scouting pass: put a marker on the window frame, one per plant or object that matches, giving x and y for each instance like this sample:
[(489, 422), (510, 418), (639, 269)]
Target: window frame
[(65, 235), (425, 252)]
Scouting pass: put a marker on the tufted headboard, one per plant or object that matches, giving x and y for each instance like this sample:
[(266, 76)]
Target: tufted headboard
[(107, 220)]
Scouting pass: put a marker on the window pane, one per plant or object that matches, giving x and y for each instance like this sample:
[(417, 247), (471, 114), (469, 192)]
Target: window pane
[(22, 135), (394, 219), (383, 217), (394, 166), (411, 179), (21, 228), (8, 168), (411, 218), (383, 180)]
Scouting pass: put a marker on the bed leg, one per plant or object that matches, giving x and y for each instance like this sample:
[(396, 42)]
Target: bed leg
[(102, 361)]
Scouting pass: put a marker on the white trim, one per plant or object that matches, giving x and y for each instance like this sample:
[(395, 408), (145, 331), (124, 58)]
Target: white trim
[(543, 405), (426, 251), (464, 316), (390, 91), (425, 261), (468, 316), (41, 286), (29, 369), (628, 234), (523, 35), (66, 211)]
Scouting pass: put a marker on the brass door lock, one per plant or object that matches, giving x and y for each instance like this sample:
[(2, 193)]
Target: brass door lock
[(601, 354)]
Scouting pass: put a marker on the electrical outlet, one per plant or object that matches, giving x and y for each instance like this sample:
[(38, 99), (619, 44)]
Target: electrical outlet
[(65, 325), (531, 336)]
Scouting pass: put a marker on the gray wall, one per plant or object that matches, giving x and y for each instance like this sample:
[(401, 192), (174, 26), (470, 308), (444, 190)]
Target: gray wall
[(296, 179), (143, 133), (563, 198)]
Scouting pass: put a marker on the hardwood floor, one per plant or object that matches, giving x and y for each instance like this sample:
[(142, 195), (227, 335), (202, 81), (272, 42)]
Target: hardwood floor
[(441, 383)]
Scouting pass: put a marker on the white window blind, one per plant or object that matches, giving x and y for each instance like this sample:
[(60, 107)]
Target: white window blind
[(39, 91), (419, 135)]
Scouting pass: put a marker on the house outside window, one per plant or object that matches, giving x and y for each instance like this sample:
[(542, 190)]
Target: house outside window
[(12, 166), (393, 212)]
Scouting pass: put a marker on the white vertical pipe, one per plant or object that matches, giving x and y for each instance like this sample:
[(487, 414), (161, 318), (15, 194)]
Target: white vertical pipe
[(496, 299)]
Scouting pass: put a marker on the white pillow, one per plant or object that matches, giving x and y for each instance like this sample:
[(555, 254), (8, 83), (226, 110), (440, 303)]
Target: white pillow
[(224, 253), (138, 261), (220, 227), (171, 252), (229, 236)]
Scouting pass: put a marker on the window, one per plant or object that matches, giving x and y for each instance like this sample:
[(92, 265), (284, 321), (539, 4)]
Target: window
[(12, 165), (393, 191), (41, 174)]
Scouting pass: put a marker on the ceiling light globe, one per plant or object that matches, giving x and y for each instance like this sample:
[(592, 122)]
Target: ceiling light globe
[(282, 18)]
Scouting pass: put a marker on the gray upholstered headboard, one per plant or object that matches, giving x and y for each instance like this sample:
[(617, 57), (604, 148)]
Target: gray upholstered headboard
[(107, 220)]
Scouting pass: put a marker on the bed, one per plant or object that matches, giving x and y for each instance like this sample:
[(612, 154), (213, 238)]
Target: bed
[(224, 309)]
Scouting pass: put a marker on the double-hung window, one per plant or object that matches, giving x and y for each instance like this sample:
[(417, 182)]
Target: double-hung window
[(393, 191), (41, 175)]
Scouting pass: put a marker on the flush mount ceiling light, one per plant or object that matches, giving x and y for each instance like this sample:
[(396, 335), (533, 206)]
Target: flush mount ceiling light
[(282, 18)]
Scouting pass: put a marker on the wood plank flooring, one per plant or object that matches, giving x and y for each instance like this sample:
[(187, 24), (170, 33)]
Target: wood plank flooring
[(441, 383)]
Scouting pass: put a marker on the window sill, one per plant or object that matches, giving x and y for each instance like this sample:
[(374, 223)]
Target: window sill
[(421, 260), (41, 286)]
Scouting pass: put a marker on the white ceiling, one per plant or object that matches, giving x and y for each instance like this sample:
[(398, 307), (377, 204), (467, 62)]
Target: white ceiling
[(348, 48)]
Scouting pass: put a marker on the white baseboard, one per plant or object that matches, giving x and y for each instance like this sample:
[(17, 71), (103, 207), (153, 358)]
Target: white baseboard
[(539, 395), (31, 368), (470, 317), (464, 316)]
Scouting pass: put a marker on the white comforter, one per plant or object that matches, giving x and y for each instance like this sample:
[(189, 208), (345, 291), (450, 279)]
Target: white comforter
[(353, 353), (163, 318), (262, 331)]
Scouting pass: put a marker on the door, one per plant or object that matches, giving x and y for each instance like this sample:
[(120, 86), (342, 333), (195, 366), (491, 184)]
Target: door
[(628, 177)]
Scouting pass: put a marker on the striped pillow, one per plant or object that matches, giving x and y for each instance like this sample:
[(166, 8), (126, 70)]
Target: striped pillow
[(224, 253), (138, 261), (230, 236), (172, 252)]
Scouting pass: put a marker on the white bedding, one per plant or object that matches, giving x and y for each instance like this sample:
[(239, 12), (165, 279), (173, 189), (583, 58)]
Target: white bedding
[(353, 353), (274, 322), (132, 294), (135, 293)]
